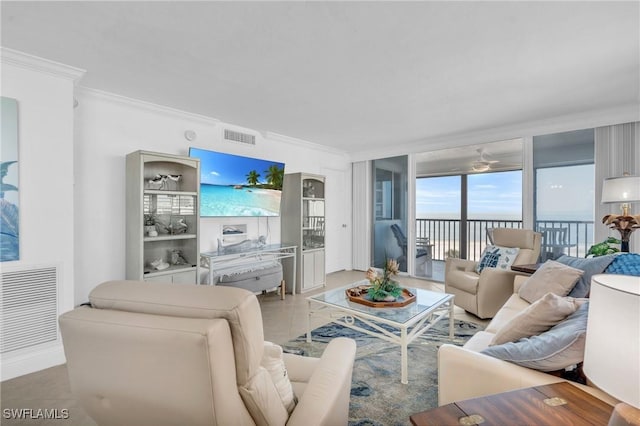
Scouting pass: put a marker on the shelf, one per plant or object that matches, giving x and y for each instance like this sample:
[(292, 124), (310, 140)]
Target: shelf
[(169, 270), (312, 199), (166, 192), (166, 237)]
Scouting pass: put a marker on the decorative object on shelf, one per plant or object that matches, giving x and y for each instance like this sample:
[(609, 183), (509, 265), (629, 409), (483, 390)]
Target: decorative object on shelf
[(612, 347), (608, 246), (150, 225), (176, 257), (160, 264), (176, 181), (177, 226), (624, 190), (157, 182), (383, 288)]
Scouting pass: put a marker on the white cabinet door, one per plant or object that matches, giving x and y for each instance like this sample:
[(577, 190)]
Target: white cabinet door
[(313, 269)]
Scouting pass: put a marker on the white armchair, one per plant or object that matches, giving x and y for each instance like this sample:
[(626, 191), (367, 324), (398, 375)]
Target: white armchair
[(484, 294), (166, 354)]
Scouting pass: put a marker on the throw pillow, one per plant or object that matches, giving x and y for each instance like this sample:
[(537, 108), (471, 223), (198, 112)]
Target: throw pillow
[(551, 277), (590, 266), (560, 347), (497, 257), (537, 318), (625, 264), (261, 398), (273, 362)]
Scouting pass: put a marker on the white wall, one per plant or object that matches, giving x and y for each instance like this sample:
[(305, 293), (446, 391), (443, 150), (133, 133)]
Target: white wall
[(108, 127), (44, 91)]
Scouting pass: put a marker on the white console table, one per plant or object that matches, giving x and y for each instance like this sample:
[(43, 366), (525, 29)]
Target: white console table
[(229, 258)]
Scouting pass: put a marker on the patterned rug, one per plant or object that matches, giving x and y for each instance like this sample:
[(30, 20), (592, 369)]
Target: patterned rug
[(377, 396)]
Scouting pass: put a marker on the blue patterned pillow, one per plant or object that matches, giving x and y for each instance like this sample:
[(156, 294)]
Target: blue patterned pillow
[(497, 257), (590, 266), (625, 264)]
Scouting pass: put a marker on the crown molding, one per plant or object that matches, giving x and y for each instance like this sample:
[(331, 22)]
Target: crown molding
[(302, 143), (144, 105), (35, 63), (582, 120)]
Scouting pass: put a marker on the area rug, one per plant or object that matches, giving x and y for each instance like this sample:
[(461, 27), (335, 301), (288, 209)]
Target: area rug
[(377, 396)]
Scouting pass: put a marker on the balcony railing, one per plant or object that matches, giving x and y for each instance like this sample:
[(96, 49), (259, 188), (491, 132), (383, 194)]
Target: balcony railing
[(445, 234)]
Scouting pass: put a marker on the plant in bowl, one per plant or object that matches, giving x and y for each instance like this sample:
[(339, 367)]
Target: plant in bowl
[(383, 288)]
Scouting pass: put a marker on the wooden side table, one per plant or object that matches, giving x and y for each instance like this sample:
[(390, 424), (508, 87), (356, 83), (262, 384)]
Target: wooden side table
[(527, 269), (549, 405)]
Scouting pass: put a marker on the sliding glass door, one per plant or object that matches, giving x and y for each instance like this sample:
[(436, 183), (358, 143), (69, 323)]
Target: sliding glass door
[(390, 181)]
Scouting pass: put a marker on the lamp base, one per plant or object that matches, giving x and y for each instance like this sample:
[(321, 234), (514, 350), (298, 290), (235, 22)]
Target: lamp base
[(624, 246)]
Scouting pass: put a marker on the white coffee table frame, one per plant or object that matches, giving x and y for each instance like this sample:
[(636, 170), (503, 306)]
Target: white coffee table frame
[(412, 321)]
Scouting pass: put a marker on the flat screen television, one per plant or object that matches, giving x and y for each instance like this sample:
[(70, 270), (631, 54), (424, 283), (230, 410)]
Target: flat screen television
[(233, 185)]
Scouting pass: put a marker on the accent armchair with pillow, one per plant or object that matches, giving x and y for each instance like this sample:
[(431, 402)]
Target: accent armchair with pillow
[(482, 287), (161, 354)]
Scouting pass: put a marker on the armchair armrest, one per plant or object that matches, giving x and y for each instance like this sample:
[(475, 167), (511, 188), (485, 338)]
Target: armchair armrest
[(452, 263), (495, 286), (326, 398)]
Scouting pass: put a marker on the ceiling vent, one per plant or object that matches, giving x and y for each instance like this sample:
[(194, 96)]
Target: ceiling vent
[(230, 135)]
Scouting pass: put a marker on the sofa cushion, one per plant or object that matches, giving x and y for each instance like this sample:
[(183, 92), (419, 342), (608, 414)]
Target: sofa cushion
[(512, 307), (625, 264), (558, 348), (273, 362), (590, 266), (551, 277), (497, 257), (543, 314)]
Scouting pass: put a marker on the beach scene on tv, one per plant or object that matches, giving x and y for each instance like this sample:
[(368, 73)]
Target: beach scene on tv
[(233, 185)]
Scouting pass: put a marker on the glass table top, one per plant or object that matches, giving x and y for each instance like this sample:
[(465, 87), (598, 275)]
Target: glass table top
[(426, 302)]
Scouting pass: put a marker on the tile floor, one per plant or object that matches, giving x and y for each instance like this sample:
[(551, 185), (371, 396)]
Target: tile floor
[(283, 320)]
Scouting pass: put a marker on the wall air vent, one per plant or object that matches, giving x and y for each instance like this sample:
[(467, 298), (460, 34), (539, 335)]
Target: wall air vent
[(29, 307), (230, 135)]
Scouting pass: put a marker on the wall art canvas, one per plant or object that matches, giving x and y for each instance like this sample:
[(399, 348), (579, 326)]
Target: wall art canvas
[(9, 196)]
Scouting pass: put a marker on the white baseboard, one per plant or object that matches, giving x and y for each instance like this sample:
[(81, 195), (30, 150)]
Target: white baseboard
[(19, 363)]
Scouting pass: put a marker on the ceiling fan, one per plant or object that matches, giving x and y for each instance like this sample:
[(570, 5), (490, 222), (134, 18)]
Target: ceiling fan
[(483, 164)]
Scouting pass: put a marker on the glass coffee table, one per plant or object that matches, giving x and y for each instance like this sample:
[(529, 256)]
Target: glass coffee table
[(410, 321)]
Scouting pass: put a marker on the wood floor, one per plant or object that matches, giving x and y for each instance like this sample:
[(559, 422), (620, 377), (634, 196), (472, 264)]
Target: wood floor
[(283, 320)]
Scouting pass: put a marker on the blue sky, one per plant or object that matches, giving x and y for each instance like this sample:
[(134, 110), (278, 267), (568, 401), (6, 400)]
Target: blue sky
[(491, 196), (562, 193), (217, 168)]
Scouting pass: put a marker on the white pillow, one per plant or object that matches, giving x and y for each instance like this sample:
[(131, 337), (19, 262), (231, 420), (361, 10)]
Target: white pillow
[(497, 257), (551, 277), (539, 317), (272, 361)]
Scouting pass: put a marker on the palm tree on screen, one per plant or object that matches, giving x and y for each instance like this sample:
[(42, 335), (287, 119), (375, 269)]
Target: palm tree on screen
[(252, 177)]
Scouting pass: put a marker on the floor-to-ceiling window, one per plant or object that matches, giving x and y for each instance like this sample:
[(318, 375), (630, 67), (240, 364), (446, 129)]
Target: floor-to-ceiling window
[(564, 192), (463, 193)]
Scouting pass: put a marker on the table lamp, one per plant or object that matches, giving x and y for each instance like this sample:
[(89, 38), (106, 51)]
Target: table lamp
[(612, 349), (624, 190)]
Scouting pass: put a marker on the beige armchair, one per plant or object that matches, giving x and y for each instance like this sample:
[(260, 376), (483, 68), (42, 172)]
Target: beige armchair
[(483, 294), (166, 354)]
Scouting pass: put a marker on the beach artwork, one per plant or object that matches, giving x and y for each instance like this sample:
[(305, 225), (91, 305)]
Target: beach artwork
[(9, 199), (233, 185)]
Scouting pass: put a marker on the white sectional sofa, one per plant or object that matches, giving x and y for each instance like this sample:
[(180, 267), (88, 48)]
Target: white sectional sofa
[(464, 372)]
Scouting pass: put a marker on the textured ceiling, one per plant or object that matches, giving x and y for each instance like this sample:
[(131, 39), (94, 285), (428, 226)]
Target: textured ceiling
[(350, 75)]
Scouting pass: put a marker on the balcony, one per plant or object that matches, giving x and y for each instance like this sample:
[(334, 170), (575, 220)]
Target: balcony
[(570, 237)]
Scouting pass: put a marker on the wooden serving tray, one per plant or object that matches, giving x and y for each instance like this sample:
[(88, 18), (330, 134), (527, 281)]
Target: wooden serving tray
[(359, 295)]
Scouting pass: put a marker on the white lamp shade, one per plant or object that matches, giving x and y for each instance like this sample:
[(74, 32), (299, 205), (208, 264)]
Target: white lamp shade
[(612, 353), (621, 189)]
